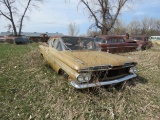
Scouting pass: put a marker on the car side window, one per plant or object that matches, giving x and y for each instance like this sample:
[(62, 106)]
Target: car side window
[(99, 40), (137, 38), (120, 40), (112, 41)]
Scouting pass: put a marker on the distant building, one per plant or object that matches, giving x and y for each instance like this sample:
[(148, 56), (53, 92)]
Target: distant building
[(34, 36)]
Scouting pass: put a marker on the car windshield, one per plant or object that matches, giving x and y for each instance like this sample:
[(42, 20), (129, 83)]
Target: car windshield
[(79, 43), (137, 38)]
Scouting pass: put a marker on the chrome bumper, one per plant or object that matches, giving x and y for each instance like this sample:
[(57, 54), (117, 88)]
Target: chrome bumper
[(87, 85)]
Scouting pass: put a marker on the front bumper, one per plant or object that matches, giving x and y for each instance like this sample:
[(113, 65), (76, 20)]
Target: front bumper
[(87, 85)]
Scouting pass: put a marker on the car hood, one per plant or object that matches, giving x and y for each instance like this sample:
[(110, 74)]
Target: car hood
[(84, 59)]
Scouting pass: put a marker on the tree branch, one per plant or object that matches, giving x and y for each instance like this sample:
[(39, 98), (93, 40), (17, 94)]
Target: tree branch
[(21, 21), (94, 16), (4, 15)]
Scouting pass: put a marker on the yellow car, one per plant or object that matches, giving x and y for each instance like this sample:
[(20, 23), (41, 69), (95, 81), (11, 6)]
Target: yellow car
[(80, 61)]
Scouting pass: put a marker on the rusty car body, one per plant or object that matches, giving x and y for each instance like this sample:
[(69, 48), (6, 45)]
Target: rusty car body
[(8, 39), (142, 41), (115, 43), (15, 40), (84, 65)]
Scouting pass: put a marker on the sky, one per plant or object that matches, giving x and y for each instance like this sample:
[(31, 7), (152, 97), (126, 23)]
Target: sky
[(55, 16)]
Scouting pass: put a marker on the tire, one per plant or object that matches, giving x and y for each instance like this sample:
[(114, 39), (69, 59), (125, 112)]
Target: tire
[(63, 74)]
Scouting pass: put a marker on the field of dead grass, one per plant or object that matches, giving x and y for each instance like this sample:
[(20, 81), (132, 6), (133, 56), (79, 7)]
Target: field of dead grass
[(29, 89)]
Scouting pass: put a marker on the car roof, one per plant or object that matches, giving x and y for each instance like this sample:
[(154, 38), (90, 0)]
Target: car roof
[(109, 36), (60, 36), (139, 36)]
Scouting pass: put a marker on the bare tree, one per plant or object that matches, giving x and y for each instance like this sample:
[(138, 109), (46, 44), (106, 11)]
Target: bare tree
[(73, 29), (134, 27), (104, 12), (93, 33), (10, 10), (157, 28), (9, 26), (119, 27), (148, 25)]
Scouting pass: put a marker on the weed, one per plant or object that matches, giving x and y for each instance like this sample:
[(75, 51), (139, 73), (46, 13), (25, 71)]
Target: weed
[(31, 90)]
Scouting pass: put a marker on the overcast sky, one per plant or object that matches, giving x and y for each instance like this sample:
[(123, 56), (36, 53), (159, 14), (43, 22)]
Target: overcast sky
[(55, 15)]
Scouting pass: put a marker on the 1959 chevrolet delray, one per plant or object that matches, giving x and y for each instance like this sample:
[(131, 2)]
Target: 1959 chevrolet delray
[(80, 61)]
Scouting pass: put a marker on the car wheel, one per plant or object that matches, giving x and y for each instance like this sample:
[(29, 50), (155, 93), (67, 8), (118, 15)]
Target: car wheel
[(63, 74)]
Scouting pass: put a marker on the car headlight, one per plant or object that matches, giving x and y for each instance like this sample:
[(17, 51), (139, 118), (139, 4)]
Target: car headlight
[(133, 70), (84, 77)]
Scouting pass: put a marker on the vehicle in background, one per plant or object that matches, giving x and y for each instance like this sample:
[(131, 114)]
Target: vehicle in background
[(15, 40), (115, 44), (7, 39), (2, 40), (155, 39), (78, 60), (22, 40), (142, 41)]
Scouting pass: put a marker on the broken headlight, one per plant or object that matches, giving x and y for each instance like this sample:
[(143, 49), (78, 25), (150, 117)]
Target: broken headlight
[(133, 69), (84, 77)]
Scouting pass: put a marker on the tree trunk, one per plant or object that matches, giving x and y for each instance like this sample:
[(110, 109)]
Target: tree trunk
[(104, 31), (21, 21), (14, 28)]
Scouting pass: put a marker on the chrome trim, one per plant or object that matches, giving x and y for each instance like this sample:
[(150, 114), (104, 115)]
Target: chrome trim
[(87, 85), (129, 64), (96, 68)]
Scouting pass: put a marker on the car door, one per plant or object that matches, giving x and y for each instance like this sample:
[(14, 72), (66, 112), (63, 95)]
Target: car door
[(51, 51), (112, 45), (125, 46), (108, 44), (122, 45)]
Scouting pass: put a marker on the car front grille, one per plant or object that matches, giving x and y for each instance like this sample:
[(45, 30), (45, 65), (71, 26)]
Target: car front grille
[(113, 73)]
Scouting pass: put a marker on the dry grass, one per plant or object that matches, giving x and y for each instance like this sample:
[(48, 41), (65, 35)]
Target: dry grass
[(29, 89)]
